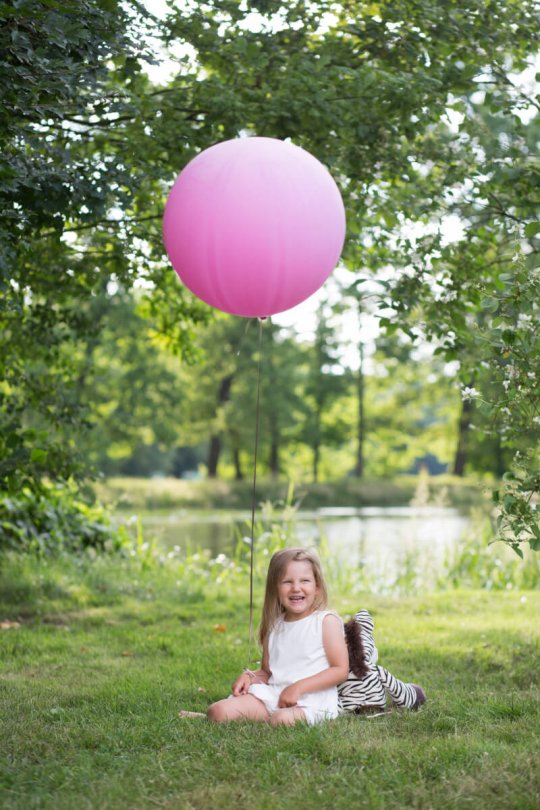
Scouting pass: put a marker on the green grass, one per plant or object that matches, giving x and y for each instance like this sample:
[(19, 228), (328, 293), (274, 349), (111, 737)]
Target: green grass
[(108, 650), (171, 493)]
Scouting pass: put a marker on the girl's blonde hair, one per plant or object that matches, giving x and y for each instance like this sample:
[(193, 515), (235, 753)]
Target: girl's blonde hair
[(272, 608)]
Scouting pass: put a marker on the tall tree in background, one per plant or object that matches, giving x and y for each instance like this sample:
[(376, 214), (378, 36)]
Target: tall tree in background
[(130, 388), (220, 393), (225, 345), (281, 398), (411, 407)]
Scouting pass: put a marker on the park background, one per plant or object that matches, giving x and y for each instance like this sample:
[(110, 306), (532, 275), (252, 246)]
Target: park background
[(406, 391)]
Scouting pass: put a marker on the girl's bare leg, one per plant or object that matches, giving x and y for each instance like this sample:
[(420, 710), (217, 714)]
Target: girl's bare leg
[(243, 707), (287, 717)]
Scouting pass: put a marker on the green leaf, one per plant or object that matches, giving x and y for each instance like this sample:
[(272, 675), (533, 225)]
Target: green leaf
[(489, 304), (38, 455), (532, 229)]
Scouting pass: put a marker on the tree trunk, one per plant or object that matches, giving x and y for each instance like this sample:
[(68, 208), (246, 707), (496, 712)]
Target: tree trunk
[(274, 446), (214, 451), (463, 429), (238, 473), (316, 457), (358, 471), (274, 458), (500, 467)]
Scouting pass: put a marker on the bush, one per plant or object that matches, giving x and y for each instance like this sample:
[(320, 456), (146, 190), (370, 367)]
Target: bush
[(54, 520)]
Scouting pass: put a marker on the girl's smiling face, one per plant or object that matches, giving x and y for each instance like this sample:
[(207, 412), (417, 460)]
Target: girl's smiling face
[(298, 590)]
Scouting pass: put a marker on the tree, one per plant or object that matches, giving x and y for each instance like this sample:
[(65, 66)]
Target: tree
[(281, 397), (325, 381), (61, 66), (220, 393), (131, 390), (478, 297)]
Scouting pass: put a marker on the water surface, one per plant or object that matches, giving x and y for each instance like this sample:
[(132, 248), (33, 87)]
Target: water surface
[(380, 539)]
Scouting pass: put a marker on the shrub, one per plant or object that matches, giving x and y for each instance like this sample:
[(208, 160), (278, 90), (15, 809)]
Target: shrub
[(55, 519)]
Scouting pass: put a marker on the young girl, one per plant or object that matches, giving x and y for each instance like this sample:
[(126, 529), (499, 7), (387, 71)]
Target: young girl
[(304, 651)]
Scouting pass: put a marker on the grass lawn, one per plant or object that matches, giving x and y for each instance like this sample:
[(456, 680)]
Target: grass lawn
[(106, 652)]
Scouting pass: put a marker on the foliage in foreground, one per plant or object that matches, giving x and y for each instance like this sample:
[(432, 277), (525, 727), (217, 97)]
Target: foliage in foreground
[(100, 656)]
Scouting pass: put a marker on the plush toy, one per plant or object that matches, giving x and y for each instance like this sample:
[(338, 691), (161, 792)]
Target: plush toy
[(366, 688)]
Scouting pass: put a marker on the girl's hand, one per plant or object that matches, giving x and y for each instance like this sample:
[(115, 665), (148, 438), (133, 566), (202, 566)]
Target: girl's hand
[(289, 697), (242, 684)]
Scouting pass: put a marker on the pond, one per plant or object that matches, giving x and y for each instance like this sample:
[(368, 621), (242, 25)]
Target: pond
[(380, 539)]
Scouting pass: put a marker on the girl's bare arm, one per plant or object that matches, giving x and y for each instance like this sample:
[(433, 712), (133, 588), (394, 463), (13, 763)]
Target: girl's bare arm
[(244, 681)]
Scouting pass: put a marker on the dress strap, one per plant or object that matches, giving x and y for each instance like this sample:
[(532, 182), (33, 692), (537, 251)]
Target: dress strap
[(324, 613)]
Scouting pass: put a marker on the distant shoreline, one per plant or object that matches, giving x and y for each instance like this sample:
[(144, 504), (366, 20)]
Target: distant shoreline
[(123, 494)]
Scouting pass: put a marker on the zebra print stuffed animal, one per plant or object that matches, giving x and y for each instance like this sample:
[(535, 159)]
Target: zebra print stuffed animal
[(368, 684)]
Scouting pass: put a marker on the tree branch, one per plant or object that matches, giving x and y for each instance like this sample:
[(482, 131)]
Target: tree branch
[(100, 222)]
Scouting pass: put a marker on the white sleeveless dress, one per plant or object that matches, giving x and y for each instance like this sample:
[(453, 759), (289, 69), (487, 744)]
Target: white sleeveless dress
[(296, 651)]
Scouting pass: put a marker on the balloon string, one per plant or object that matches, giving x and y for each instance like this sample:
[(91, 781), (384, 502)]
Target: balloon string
[(253, 494)]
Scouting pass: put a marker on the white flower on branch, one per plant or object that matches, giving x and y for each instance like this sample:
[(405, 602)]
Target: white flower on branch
[(469, 393), (524, 319)]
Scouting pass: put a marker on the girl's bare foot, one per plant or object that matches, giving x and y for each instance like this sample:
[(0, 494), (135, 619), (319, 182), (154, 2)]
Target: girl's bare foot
[(185, 713)]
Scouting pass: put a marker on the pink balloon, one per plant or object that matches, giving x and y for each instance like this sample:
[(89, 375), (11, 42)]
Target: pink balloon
[(253, 226)]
